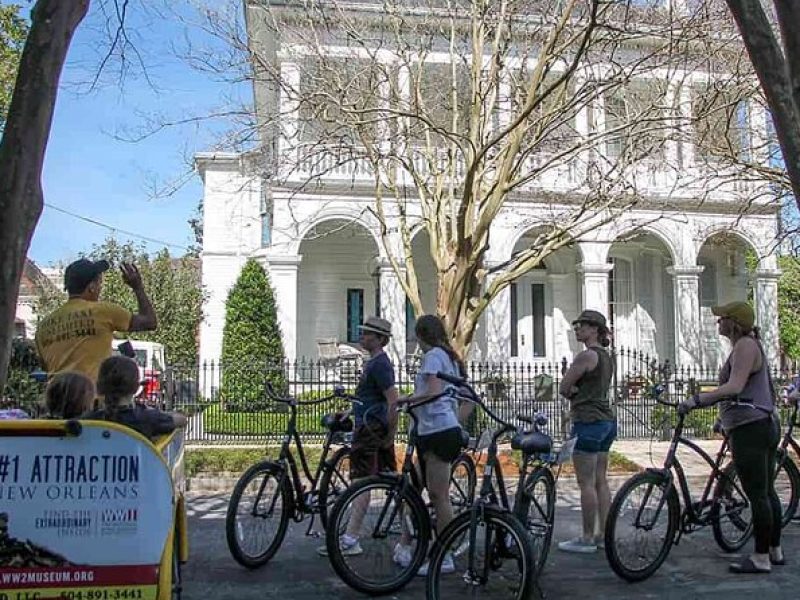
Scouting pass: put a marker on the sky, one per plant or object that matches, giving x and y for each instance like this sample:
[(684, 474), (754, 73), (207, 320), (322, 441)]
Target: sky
[(91, 173)]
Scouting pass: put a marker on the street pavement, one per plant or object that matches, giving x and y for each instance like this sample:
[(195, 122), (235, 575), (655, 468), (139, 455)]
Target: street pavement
[(696, 568)]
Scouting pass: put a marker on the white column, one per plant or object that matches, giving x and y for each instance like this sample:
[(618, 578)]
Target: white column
[(686, 287), (766, 305), (283, 270), (594, 286), (393, 309)]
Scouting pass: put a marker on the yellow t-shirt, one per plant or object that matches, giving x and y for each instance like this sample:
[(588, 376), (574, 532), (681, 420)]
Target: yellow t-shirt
[(77, 336)]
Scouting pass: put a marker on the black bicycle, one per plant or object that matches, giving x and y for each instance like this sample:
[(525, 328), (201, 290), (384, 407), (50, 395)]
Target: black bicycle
[(381, 511), (646, 517), (787, 479), (270, 493), (496, 550)]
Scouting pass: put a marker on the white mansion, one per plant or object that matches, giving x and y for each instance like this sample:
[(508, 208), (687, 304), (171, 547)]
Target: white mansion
[(655, 268)]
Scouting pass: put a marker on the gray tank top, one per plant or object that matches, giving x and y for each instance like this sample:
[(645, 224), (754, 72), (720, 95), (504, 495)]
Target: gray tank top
[(754, 401)]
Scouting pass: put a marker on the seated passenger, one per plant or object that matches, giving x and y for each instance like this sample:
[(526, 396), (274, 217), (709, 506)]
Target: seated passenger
[(69, 395), (118, 381)]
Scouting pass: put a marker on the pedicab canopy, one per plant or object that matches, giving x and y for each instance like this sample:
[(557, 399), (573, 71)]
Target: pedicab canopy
[(85, 511)]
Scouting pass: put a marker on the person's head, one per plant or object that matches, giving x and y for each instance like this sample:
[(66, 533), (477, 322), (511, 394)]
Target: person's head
[(69, 395), (118, 379), (431, 333), (375, 333), (591, 328), (735, 319), (84, 278)]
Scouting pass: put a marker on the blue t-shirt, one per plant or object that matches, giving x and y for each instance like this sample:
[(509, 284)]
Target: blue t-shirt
[(443, 413), (376, 378)]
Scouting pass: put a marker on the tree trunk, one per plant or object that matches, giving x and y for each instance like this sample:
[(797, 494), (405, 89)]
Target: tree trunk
[(775, 72), (22, 148)]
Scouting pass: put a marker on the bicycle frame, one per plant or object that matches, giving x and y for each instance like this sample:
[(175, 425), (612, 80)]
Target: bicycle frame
[(788, 437), (672, 468)]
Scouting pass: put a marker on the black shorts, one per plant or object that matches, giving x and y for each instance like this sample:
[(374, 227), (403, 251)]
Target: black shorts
[(372, 451), (446, 444)]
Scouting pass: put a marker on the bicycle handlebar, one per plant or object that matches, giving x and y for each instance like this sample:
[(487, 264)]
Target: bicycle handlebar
[(338, 393), (462, 384)]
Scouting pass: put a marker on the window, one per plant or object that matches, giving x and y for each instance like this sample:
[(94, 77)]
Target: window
[(266, 218), (537, 310), (720, 117), (355, 313), (514, 316), (552, 124), (432, 97), (708, 283), (634, 110), (620, 294)]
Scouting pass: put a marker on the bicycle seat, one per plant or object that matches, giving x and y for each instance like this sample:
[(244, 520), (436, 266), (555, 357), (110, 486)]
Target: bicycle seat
[(532, 443), (334, 422)]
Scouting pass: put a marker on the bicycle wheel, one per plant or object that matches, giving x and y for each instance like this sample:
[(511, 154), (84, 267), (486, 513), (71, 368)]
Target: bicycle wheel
[(380, 512), (462, 483), (258, 515), (499, 564), (537, 512), (334, 481), (732, 520), (641, 526), (787, 485)]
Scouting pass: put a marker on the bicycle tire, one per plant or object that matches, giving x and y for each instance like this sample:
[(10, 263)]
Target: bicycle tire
[(462, 493), (268, 469), (788, 466), (725, 496), (539, 520), (511, 530), (409, 496), (333, 483), (621, 502)]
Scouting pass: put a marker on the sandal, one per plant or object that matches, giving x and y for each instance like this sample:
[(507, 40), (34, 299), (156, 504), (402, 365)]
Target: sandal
[(747, 566)]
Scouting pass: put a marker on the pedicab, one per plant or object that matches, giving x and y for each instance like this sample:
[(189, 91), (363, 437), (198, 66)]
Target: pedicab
[(90, 510)]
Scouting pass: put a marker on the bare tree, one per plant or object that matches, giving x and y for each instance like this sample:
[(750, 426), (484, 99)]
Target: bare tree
[(23, 145), (460, 110)]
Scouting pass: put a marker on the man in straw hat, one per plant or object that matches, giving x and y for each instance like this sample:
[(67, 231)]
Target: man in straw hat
[(375, 424)]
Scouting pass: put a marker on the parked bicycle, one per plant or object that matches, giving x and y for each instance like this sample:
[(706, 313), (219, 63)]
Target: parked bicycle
[(271, 492), (646, 517), (379, 510), (498, 551), (787, 480)]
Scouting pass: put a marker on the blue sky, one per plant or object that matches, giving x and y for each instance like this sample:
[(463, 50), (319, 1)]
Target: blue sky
[(90, 173)]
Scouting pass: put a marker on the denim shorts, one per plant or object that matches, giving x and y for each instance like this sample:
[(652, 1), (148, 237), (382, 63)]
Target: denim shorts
[(596, 436)]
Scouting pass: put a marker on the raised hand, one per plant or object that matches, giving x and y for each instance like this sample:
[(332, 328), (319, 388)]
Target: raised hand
[(131, 275)]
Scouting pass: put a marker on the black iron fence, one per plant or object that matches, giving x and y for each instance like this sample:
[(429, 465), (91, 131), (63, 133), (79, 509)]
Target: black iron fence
[(227, 404)]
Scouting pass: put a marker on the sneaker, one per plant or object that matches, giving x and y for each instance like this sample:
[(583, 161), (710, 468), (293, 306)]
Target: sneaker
[(578, 546), (448, 566), (402, 555), (348, 545)]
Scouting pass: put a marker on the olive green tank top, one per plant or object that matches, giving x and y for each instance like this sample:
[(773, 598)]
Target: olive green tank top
[(591, 402)]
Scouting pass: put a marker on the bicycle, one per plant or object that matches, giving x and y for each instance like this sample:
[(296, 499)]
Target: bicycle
[(787, 478), (387, 505), (648, 496), (520, 536), (271, 492)]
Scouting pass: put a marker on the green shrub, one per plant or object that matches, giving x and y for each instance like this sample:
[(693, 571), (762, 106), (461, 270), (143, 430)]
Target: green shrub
[(20, 389), (698, 422), (252, 347)]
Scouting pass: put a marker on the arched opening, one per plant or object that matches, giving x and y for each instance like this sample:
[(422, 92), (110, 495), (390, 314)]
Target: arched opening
[(542, 303), (336, 286), (728, 261), (641, 306)]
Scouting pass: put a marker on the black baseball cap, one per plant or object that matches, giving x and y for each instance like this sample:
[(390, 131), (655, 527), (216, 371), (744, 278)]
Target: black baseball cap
[(81, 273)]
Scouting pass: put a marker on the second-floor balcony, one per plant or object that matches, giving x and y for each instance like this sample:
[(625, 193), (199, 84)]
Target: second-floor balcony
[(658, 177)]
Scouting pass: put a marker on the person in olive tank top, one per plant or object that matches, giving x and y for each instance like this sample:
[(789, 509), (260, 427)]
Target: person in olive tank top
[(586, 384), (748, 416)]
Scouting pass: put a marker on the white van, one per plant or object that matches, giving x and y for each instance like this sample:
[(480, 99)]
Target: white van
[(150, 358)]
